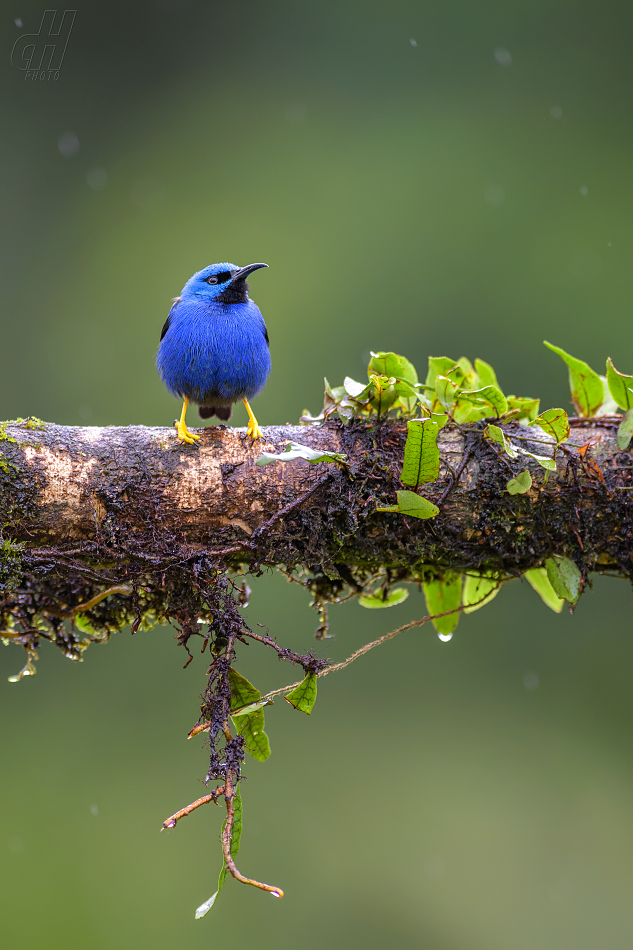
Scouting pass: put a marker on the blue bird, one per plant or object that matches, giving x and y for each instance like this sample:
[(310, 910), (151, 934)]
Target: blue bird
[(214, 346)]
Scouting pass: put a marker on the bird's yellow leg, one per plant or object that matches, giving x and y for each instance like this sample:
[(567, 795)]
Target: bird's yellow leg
[(184, 435), (253, 428)]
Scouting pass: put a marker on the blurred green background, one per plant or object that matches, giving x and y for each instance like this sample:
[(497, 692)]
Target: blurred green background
[(428, 178)]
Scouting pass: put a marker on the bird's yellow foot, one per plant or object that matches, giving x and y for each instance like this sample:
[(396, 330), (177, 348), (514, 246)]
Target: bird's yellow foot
[(252, 428), (184, 435)]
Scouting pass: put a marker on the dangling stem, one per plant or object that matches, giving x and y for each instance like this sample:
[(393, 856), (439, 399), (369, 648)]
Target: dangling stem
[(227, 832)]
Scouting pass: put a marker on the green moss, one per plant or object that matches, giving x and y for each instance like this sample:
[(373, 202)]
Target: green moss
[(10, 564), (4, 435)]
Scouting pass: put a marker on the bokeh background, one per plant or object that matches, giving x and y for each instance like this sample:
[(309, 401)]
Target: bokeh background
[(432, 178)]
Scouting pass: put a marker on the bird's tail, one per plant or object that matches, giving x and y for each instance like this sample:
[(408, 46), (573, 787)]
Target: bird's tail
[(222, 412)]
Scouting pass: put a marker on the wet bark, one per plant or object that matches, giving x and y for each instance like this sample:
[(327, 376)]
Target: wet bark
[(117, 493)]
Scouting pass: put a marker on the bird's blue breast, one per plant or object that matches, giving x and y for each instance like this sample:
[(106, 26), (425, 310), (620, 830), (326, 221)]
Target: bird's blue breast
[(214, 353)]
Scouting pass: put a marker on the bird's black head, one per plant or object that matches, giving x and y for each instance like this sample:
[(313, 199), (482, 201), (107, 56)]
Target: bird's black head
[(222, 283)]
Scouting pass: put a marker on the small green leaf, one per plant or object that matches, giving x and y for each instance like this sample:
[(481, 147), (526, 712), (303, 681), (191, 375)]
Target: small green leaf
[(620, 386), (544, 460), (528, 408), (479, 590), (439, 418), (384, 394), (564, 577), (587, 392), (236, 834), (250, 725), (421, 461), (297, 451), (625, 431), (303, 696), (609, 406), (493, 396), (251, 708), (521, 484), (356, 390), (204, 909), (555, 423), (469, 379), (379, 599), (445, 391), (409, 503), (443, 594), (438, 366), (464, 410), (256, 742), (487, 375), (498, 435), (390, 364), (242, 692), (538, 579)]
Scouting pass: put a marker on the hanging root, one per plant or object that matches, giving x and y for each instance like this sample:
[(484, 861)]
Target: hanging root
[(227, 832)]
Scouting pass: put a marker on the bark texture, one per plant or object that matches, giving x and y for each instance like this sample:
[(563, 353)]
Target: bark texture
[(136, 488), (85, 509)]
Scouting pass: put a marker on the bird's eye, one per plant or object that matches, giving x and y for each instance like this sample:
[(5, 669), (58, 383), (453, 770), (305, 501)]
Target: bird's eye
[(212, 280)]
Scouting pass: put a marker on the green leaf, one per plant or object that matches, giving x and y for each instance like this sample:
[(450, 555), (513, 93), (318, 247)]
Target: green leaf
[(469, 377), (442, 594), (479, 590), (538, 579), (303, 696), (487, 375), (587, 392), (409, 503), (555, 423), (252, 707), (248, 724), (384, 394), (521, 484), (256, 742), (421, 461), (439, 418), (620, 386), (625, 431), (236, 834), (390, 364), (493, 396), (297, 451), (445, 391), (242, 692), (464, 410), (564, 577), (544, 460), (204, 909), (528, 408), (498, 435), (356, 390), (378, 600), (438, 366)]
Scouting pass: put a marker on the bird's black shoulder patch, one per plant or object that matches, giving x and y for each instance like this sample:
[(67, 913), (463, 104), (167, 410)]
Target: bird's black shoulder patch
[(266, 334), (168, 320), (165, 327)]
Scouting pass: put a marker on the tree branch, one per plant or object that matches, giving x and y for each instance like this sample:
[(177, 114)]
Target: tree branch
[(95, 495)]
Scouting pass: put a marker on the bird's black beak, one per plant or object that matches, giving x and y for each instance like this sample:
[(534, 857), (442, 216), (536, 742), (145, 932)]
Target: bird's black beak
[(243, 272)]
